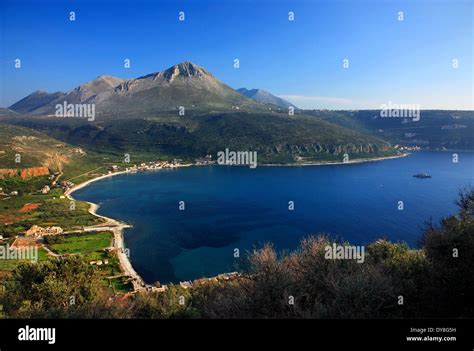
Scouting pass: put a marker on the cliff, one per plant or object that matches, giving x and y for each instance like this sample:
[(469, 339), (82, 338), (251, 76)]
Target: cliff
[(24, 173)]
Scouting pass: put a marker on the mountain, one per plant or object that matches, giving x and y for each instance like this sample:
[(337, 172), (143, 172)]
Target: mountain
[(94, 91), (4, 112), (185, 84), (34, 101), (265, 97), (140, 116)]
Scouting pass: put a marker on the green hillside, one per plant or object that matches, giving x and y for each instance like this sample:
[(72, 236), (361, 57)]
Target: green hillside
[(277, 137), (436, 129)]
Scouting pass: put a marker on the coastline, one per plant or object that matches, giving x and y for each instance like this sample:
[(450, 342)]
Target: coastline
[(117, 227), (87, 182), (337, 163)]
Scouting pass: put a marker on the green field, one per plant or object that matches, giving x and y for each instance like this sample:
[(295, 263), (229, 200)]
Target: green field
[(53, 211), (91, 246), (87, 244), (8, 265), (119, 285)]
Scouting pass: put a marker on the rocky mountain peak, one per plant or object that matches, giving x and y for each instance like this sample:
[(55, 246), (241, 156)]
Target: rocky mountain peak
[(185, 69), (99, 85)]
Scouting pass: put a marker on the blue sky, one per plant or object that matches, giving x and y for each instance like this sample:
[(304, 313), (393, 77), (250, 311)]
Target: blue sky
[(407, 61)]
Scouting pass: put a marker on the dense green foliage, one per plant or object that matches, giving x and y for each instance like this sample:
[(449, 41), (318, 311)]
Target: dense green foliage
[(23, 186), (277, 137), (50, 288), (435, 129), (435, 281)]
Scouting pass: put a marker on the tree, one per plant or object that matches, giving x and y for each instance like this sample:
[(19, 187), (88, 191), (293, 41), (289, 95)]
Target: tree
[(50, 288)]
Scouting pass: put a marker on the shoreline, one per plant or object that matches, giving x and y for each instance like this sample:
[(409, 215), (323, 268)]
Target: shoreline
[(336, 163), (113, 225), (117, 227)]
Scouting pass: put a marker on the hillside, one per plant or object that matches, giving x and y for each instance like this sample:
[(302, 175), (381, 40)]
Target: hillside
[(277, 137), (265, 97), (5, 112), (34, 101), (36, 149), (436, 129), (39, 150)]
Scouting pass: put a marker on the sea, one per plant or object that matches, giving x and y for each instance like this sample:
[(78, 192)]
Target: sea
[(199, 221)]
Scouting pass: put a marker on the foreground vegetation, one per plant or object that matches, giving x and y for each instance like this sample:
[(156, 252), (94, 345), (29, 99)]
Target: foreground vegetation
[(393, 282), (11, 264)]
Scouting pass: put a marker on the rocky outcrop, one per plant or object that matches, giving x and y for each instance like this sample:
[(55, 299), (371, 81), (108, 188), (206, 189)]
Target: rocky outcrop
[(6, 172), (34, 172), (24, 173)]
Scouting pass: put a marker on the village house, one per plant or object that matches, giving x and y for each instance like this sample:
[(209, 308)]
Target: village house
[(98, 262), (45, 189), (228, 276), (202, 161), (186, 284), (40, 231), (158, 288)]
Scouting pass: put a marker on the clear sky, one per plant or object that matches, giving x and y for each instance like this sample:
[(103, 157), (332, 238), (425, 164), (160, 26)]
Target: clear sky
[(409, 61)]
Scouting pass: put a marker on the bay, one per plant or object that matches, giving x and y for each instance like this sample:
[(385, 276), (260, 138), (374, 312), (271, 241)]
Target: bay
[(229, 208)]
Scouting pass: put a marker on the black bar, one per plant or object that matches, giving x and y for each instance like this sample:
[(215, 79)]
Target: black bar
[(307, 334)]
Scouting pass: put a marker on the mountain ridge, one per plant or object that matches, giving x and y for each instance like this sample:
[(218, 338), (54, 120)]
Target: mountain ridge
[(143, 115), (265, 97), (185, 84)]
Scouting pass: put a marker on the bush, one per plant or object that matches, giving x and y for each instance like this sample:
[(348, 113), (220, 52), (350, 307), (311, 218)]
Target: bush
[(435, 281), (50, 288)]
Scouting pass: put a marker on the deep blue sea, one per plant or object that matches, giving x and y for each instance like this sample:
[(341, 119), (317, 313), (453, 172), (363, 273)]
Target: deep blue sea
[(239, 207)]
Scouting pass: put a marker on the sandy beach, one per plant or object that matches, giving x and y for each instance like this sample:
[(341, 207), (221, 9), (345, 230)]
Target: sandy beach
[(86, 183), (114, 226)]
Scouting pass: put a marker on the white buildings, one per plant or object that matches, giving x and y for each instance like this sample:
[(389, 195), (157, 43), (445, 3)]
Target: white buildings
[(40, 231)]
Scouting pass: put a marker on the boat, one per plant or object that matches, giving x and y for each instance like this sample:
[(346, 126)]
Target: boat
[(422, 175)]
